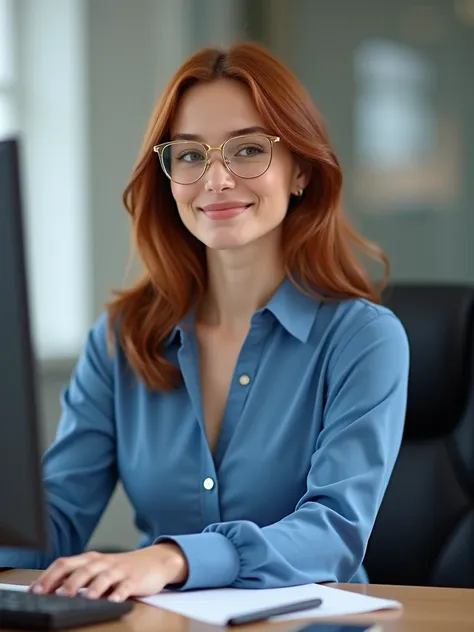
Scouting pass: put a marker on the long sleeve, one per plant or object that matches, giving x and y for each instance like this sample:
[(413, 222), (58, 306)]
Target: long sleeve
[(79, 468), (325, 538)]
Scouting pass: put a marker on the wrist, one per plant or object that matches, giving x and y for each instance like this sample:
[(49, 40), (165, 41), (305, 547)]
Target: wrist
[(175, 562)]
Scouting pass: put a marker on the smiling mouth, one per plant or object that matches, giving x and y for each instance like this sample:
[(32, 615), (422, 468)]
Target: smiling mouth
[(227, 212)]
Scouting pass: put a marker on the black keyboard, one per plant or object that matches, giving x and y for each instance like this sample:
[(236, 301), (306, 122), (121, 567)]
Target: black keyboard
[(24, 610)]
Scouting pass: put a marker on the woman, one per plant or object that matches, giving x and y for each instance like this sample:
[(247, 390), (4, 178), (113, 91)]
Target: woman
[(254, 398)]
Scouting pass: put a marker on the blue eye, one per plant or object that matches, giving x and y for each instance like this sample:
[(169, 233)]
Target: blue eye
[(190, 156), (250, 151)]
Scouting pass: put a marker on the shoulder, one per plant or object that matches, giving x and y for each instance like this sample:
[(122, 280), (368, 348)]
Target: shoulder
[(98, 333), (355, 317), (358, 326), (100, 346)]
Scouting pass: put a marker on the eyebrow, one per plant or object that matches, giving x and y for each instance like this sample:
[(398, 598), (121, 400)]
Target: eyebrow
[(236, 132)]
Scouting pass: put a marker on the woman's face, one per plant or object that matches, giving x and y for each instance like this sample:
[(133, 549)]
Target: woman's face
[(223, 210)]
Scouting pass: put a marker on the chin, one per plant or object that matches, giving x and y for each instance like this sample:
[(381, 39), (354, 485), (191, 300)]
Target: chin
[(226, 241), (226, 244)]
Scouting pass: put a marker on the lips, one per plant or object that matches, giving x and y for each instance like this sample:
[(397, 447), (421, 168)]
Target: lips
[(225, 210)]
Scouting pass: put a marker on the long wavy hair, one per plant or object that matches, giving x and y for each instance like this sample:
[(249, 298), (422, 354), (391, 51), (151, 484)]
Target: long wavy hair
[(321, 251)]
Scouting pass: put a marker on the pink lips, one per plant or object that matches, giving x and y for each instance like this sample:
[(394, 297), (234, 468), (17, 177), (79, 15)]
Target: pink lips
[(225, 210)]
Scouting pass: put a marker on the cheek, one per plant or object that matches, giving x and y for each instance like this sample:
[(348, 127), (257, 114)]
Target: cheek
[(276, 181), (184, 197), (274, 186)]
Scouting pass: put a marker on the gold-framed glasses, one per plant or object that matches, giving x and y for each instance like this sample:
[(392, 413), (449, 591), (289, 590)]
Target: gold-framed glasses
[(247, 156)]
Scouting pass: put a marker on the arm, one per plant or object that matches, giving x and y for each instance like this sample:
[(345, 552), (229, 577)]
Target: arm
[(79, 468), (325, 538)]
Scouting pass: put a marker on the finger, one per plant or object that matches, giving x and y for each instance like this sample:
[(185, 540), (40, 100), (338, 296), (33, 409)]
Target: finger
[(53, 577), (106, 580), (83, 576), (122, 591), (129, 588)]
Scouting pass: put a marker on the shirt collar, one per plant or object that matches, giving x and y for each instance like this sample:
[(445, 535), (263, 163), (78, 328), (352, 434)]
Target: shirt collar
[(178, 331), (293, 309)]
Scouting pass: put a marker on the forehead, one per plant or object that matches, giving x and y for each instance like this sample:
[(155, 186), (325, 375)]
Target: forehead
[(212, 110)]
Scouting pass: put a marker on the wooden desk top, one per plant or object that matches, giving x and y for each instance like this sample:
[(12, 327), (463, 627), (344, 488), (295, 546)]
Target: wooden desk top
[(425, 610)]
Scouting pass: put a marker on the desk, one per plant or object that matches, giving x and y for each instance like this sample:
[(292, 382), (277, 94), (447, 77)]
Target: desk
[(425, 610)]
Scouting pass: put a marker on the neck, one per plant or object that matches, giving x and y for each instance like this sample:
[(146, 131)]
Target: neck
[(240, 282)]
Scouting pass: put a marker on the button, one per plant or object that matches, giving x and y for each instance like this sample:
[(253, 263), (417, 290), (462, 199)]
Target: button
[(244, 380), (208, 484)]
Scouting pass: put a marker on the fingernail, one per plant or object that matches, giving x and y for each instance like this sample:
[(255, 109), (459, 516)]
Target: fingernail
[(38, 589), (90, 594), (115, 598)]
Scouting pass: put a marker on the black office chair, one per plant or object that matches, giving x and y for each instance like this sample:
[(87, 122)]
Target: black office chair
[(424, 533)]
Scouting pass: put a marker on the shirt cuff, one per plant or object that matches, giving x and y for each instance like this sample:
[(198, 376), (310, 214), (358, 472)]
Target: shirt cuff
[(213, 561)]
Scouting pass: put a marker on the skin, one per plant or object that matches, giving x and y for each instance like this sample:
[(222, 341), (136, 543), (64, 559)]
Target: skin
[(243, 253), (245, 269)]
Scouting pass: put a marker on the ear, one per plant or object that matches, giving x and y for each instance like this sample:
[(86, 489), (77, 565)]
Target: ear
[(301, 177)]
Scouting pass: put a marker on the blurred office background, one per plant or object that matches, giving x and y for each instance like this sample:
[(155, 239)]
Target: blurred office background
[(78, 80)]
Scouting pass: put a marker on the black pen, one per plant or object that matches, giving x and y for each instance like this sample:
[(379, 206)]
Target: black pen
[(260, 615)]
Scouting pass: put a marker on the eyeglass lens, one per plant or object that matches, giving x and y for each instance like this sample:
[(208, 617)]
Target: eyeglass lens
[(246, 156)]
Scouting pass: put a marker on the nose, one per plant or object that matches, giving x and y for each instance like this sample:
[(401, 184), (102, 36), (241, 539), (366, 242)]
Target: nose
[(217, 177)]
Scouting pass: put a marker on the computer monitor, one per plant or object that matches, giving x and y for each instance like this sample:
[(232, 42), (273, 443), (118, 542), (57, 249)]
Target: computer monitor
[(22, 507)]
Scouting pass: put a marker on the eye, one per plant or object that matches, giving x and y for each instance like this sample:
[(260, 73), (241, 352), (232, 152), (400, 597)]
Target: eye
[(250, 150), (190, 156)]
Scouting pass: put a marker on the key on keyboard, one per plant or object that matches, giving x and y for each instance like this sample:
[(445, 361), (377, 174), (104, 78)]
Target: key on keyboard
[(22, 610)]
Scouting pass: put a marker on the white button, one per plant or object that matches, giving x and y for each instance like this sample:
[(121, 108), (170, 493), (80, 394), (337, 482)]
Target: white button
[(208, 484), (244, 380)]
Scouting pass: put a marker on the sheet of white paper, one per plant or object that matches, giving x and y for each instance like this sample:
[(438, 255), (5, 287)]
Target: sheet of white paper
[(218, 606), (22, 587), (19, 587)]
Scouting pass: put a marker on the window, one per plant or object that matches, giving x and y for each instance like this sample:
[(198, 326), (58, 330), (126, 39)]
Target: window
[(42, 98), (8, 118), (406, 153)]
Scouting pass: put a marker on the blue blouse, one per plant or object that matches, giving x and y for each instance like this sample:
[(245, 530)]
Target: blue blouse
[(310, 435)]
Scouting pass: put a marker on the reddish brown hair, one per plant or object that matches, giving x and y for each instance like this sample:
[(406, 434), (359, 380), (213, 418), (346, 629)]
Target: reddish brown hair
[(319, 246)]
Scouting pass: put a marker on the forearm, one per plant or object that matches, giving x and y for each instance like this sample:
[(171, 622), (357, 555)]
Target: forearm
[(311, 545), (21, 558)]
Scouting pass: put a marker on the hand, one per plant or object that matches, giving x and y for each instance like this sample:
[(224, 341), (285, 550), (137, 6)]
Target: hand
[(118, 576)]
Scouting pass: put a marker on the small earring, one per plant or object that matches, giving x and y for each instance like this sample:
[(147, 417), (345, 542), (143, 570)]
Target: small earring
[(300, 191)]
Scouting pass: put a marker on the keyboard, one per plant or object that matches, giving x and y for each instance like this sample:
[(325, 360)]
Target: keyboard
[(24, 610)]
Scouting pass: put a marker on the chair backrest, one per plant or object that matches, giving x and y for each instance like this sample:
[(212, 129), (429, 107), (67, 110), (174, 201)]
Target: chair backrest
[(424, 533)]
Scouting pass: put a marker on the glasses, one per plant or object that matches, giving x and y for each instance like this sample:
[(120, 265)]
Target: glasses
[(185, 161)]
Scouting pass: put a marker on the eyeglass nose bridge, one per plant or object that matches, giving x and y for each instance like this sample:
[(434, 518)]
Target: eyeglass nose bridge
[(220, 149)]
